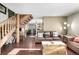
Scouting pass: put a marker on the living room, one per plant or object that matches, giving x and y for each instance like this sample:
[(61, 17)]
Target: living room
[(58, 40), (58, 33)]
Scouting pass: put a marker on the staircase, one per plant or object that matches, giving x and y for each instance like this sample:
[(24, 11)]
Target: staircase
[(11, 25), (7, 27)]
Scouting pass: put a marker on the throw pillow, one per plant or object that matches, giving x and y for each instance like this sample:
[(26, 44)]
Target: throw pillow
[(76, 39)]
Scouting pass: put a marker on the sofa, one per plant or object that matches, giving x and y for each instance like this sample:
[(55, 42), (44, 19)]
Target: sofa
[(73, 44)]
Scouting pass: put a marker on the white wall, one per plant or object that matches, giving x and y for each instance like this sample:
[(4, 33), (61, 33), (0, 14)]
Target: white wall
[(3, 16), (51, 23), (73, 20), (35, 21)]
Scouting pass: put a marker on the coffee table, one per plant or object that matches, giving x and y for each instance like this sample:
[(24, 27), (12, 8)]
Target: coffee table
[(53, 48)]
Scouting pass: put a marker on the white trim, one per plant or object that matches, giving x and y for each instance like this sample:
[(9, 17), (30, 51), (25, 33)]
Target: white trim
[(16, 50)]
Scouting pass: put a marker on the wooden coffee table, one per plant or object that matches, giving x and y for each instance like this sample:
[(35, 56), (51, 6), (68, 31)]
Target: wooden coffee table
[(53, 48)]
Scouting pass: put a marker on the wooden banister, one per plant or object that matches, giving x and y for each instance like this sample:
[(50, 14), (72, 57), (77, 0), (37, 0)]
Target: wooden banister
[(7, 27)]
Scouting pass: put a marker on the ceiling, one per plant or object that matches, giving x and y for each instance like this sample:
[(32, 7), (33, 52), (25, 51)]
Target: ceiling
[(39, 10)]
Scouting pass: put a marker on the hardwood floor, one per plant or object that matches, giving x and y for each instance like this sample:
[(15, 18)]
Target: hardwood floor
[(27, 52), (28, 44), (70, 52)]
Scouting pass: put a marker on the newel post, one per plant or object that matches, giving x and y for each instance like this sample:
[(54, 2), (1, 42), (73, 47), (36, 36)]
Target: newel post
[(17, 28)]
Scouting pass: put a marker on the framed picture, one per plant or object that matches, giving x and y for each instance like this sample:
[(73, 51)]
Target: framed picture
[(10, 13), (2, 9)]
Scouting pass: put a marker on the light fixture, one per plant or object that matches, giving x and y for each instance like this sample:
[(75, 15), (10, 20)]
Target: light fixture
[(64, 27), (68, 25), (65, 23)]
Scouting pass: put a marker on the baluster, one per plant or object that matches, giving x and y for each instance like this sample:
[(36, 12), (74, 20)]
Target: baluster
[(5, 28), (2, 30), (9, 25), (12, 23), (0, 39)]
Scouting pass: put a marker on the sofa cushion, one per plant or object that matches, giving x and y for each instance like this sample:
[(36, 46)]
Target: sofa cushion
[(76, 39), (74, 44)]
